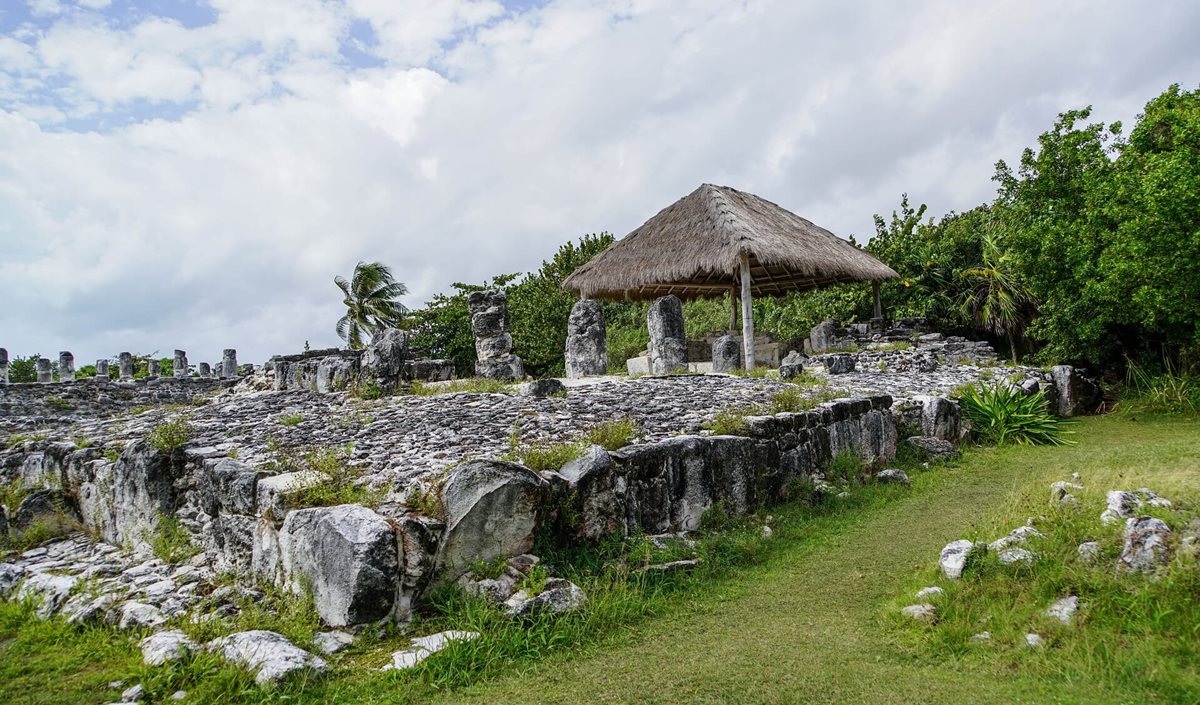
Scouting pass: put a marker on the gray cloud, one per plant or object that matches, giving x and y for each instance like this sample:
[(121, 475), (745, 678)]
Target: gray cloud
[(224, 227)]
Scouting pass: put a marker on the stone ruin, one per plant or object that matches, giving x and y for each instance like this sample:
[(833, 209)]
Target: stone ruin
[(442, 497), (493, 342)]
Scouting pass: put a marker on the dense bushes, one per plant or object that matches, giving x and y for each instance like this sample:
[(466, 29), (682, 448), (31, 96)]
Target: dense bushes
[(1090, 253)]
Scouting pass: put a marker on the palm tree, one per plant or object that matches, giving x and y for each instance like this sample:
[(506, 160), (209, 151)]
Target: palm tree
[(370, 299), (997, 301)]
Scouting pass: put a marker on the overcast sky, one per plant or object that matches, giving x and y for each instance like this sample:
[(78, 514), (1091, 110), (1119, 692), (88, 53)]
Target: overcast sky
[(193, 174)]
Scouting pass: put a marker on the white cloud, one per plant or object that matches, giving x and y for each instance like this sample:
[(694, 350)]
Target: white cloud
[(489, 137)]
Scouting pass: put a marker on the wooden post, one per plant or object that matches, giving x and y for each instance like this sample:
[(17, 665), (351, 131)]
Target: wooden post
[(878, 307), (733, 309), (747, 315)]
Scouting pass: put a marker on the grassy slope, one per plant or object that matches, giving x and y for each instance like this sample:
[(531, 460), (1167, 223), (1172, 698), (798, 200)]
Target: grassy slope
[(807, 625)]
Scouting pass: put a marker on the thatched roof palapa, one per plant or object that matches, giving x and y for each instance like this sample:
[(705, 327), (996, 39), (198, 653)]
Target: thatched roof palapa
[(693, 249)]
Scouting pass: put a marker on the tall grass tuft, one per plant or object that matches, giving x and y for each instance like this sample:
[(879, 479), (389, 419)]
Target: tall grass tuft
[(1000, 415), (1174, 391)]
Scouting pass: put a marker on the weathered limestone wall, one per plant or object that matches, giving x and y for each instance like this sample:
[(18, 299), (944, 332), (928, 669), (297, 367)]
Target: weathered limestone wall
[(30, 406), (386, 362), (366, 564)]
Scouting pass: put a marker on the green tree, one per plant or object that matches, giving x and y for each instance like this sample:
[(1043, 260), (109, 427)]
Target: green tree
[(996, 300), (23, 369), (370, 297)]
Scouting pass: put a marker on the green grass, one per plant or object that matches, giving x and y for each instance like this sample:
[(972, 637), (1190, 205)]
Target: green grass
[(291, 420), (803, 617), (730, 422), (613, 435), (340, 488), (171, 542), (169, 436), (473, 386)]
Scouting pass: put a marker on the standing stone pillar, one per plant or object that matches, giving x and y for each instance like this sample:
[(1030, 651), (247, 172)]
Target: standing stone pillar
[(101, 369), (587, 347), (179, 366), (668, 344), (493, 344), (153, 367), (66, 366), (727, 354), (44, 374), (125, 366), (229, 363), (205, 370), (3, 366)]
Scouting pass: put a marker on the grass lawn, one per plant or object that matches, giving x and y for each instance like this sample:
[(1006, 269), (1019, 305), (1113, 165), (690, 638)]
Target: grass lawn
[(812, 621)]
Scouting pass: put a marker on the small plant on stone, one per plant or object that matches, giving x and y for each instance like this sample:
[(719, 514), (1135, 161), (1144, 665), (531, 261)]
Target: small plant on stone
[(613, 435), (545, 456), (112, 455), (489, 570), (171, 542), (425, 500), (232, 454), (716, 517), (59, 403), (757, 372), (291, 419), (473, 386), (81, 442), (15, 440), (846, 466), (895, 345), (169, 436), (341, 487), (806, 379), (366, 389), (12, 493), (535, 580), (729, 422)]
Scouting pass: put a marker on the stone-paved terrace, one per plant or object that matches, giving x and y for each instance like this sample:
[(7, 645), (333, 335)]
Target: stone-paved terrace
[(400, 438)]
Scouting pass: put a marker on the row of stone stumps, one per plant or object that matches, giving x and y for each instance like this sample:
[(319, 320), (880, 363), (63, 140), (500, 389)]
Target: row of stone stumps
[(228, 368)]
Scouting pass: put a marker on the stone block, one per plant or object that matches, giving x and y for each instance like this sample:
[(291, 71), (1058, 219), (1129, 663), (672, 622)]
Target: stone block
[(587, 346), (668, 343)]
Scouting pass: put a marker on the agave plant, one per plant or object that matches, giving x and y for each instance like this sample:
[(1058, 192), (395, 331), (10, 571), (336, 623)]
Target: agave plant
[(1001, 414)]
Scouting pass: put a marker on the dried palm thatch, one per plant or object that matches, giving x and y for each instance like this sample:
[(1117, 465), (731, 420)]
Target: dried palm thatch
[(693, 249)]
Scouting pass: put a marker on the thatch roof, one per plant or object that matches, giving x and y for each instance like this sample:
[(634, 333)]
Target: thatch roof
[(693, 248)]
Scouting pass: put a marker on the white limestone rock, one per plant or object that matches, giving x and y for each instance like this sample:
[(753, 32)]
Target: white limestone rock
[(1146, 545), (921, 613), (135, 614), (331, 642), (954, 557), (1064, 609), (426, 646), (1089, 552), (558, 596), (1015, 556), (269, 654), (928, 592), (1016, 537), (163, 647), (1121, 505), (893, 477)]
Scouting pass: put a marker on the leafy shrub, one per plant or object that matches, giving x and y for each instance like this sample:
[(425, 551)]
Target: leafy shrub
[(612, 435), (1171, 392), (729, 422), (291, 419), (1001, 415), (171, 542), (170, 435)]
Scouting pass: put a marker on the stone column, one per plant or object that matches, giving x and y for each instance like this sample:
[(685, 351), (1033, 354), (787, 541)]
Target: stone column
[(179, 366), (125, 366), (153, 367), (66, 366), (44, 373), (493, 344), (587, 347), (248, 369), (726, 354), (3, 366), (229, 363), (205, 370), (101, 369), (668, 344)]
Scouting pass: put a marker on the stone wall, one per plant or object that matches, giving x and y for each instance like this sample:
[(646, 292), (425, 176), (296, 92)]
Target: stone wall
[(34, 406), (366, 564), (387, 363)]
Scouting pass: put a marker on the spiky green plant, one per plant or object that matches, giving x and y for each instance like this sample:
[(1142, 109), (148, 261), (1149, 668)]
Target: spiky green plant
[(1000, 414)]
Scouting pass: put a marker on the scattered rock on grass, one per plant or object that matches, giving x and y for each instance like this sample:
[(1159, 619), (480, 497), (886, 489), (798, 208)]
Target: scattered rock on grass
[(1014, 556), (954, 557), (1033, 640), (331, 642), (269, 654), (1146, 544), (134, 694), (920, 613), (558, 596), (425, 646), (933, 448), (1089, 552), (1121, 505), (982, 636), (1016, 537), (170, 645), (932, 591), (893, 476), (1064, 609)]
